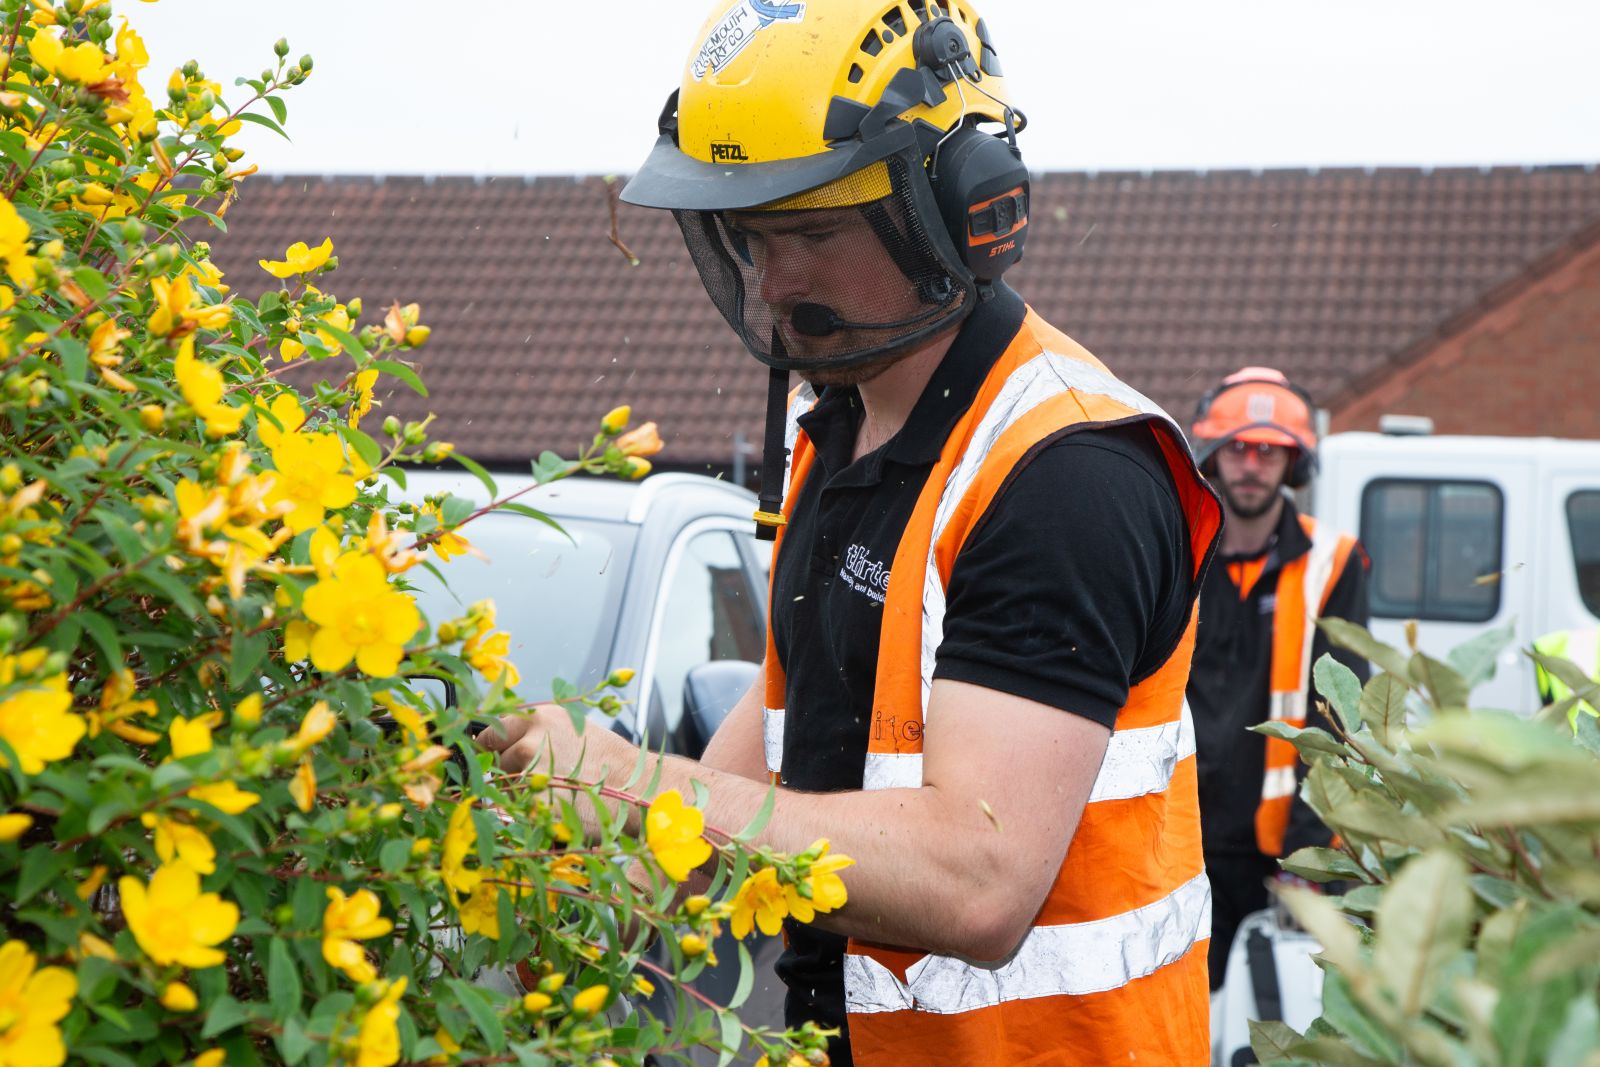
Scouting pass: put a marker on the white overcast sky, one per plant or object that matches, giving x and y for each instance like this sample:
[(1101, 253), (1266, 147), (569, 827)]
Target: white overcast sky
[(574, 86)]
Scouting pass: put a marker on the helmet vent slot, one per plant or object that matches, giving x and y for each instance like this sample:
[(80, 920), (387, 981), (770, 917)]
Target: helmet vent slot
[(856, 73), (895, 19), (872, 44)]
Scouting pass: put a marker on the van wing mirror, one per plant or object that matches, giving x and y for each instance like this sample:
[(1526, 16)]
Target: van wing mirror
[(710, 692)]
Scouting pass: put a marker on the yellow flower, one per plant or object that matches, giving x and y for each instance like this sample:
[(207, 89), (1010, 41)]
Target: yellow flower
[(179, 997), (643, 986), (391, 548), (211, 1057), (318, 723), (591, 1000), (643, 441), (14, 246), (488, 655), (760, 899), (248, 711), (118, 705), (311, 478), (534, 1003), (347, 921), (285, 408), (13, 825), (226, 797), (299, 259), (32, 1004), (189, 737), (567, 869), (202, 387), (173, 921), (303, 786), (363, 402), (175, 310), (613, 422), (178, 842), (480, 914), (91, 885), (827, 888), (460, 839), (359, 616), (673, 833), (378, 1044), (297, 641), (38, 724), (447, 545)]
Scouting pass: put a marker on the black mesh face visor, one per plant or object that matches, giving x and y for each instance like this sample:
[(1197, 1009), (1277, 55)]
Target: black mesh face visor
[(832, 286)]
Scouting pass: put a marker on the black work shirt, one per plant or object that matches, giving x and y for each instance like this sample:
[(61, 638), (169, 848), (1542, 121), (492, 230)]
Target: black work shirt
[(1230, 687), (1073, 587)]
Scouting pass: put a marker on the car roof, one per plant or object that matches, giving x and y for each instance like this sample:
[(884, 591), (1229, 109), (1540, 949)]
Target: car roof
[(600, 499)]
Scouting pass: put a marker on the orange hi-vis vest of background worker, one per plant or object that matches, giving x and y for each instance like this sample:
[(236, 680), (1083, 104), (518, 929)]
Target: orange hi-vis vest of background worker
[(1304, 584), (1114, 969)]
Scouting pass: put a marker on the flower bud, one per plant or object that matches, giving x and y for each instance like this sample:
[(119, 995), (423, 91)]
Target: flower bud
[(61, 168), (305, 63), (132, 231), (438, 451), (414, 433), (418, 336), (620, 677), (552, 983), (295, 75), (615, 420), (391, 425), (534, 1003), (152, 417), (191, 69), (10, 477), (536, 781), (10, 544), (696, 904), (693, 945), (281, 47), (178, 997), (421, 848), (610, 704), (55, 662), (637, 468), (389, 814)]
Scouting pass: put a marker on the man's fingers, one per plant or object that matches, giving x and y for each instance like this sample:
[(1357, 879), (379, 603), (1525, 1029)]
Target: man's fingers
[(507, 732)]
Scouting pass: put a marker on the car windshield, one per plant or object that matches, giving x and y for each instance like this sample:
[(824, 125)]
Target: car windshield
[(558, 599)]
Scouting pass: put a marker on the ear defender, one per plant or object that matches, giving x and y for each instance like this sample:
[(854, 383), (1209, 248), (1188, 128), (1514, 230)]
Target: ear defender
[(981, 187)]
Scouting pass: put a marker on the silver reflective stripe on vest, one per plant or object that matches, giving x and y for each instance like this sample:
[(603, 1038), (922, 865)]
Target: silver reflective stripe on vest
[(1075, 959), (1042, 378), (803, 400), (1287, 707), (1139, 762), (1278, 783), (1290, 705), (772, 737), (892, 770)]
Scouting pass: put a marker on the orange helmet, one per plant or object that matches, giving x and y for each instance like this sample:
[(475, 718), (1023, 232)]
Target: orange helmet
[(1259, 405)]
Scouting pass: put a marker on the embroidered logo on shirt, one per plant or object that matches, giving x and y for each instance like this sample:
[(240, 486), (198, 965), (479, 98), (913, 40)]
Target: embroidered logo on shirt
[(863, 574), (1269, 603)]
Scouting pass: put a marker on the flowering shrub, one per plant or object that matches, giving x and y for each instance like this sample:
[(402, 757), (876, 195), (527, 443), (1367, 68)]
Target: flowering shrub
[(232, 826)]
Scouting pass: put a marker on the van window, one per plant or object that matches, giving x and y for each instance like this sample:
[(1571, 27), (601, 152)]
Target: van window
[(1435, 548), (1583, 524)]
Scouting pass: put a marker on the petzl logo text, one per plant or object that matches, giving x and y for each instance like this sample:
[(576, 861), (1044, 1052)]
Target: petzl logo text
[(728, 152)]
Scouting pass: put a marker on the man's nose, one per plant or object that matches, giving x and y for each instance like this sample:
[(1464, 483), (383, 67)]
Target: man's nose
[(784, 276)]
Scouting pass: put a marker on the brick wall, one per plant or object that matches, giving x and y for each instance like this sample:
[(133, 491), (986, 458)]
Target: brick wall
[(1529, 366)]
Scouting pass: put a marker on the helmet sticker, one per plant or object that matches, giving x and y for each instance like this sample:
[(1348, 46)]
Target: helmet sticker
[(1260, 407), (738, 28)]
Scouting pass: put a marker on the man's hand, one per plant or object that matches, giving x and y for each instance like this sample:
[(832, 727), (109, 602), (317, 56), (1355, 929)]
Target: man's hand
[(543, 735)]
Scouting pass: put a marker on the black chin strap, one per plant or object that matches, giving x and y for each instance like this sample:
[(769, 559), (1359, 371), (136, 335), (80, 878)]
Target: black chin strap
[(774, 460)]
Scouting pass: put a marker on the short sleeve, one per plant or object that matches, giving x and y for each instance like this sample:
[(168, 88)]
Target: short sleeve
[(1077, 584)]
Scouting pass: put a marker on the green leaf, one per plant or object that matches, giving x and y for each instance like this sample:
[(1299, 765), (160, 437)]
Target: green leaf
[(280, 110), (731, 1036), (1383, 706), (244, 663), (1423, 922), (549, 467), (399, 370), (394, 855), (747, 980), (1323, 865), (262, 120), (534, 513), (1358, 640), (283, 980), (225, 1014), (364, 446), (477, 472), (74, 356), (1444, 684), (483, 1015), (104, 635), (1475, 659), (122, 534), (759, 821), (293, 1043), (1364, 1031), (41, 866), (1579, 1035), (1341, 688), (1272, 1041)]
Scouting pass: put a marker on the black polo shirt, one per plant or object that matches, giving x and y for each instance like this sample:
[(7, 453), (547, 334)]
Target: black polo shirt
[(1073, 587), (1230, 685)]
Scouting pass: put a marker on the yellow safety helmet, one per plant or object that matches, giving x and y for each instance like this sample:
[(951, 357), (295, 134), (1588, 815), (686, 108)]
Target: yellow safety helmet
[(779, 99)]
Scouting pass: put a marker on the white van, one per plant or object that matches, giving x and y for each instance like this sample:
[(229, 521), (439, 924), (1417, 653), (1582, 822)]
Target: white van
[(1471, 533)]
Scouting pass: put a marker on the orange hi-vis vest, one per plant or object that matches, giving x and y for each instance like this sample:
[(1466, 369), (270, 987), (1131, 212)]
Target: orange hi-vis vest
[(1304, 585), (1114, 968)]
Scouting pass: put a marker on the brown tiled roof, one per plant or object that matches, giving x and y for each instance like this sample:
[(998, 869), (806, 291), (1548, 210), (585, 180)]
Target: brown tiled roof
[(541, 324)]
